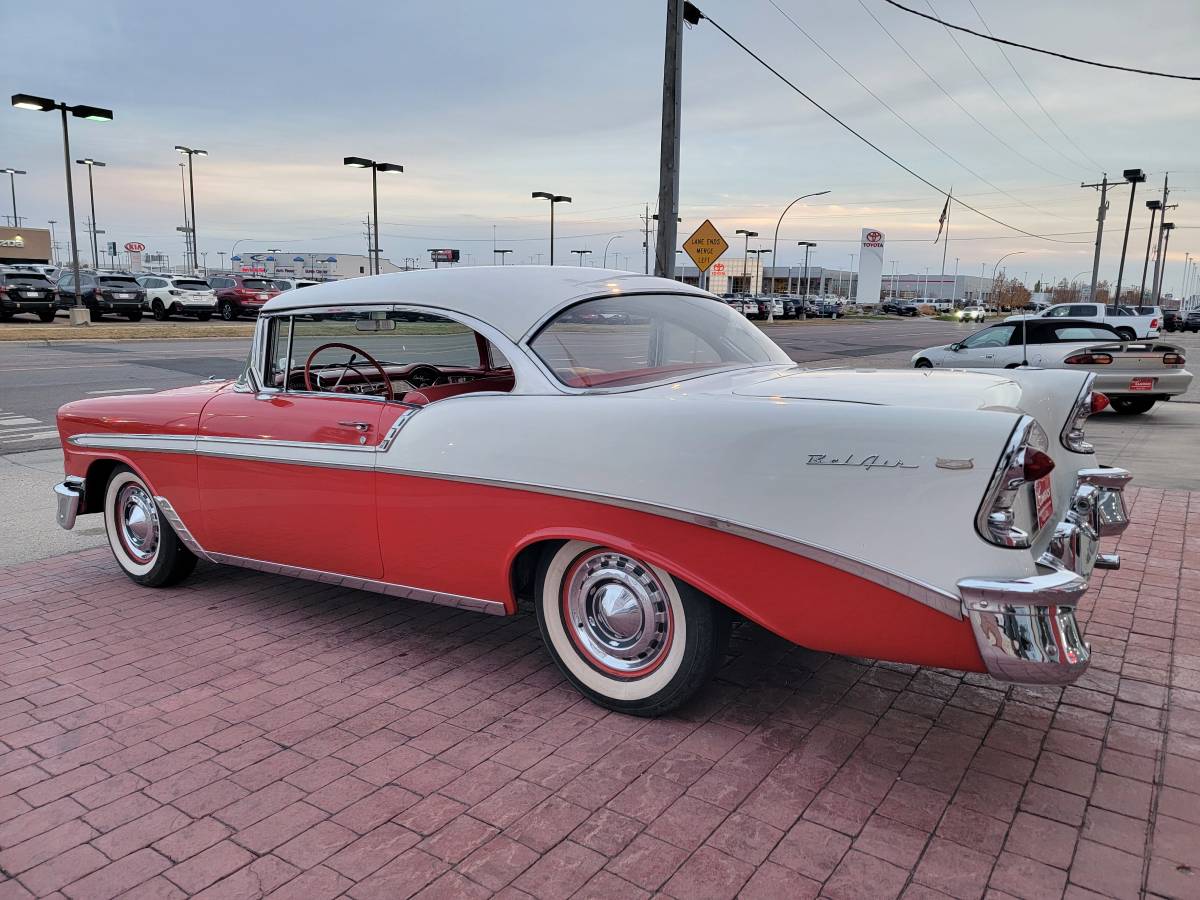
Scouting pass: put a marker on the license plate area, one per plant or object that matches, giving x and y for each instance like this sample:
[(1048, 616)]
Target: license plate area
[(1043, 500), (1141, 384)]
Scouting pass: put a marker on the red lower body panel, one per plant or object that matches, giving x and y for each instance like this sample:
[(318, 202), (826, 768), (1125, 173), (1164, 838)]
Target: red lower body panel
[(462, 538)]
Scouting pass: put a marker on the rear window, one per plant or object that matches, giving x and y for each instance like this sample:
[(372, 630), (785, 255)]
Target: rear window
[(258, 284), (191, 284), (25, 278), (122, 283), (1084, 333)]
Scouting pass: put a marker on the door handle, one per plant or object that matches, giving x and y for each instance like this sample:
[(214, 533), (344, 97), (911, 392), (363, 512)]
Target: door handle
[(360, 426)]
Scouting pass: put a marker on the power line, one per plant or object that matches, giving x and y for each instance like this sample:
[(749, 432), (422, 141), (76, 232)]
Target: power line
[(1068, 57), (1000, 96), (766, 65), (1036, 100), (970, 115), (905, 121)]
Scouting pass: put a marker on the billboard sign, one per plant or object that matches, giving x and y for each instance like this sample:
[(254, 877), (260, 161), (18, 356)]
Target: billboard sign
[(444, 256), (870, 266)]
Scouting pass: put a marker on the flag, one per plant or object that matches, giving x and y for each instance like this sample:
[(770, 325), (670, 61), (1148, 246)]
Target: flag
[(942, 218)]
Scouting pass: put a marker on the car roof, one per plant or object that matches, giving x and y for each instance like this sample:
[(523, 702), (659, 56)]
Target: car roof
[(512, 299)]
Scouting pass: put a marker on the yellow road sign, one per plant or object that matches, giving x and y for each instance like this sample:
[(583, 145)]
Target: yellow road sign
[(705, 246)]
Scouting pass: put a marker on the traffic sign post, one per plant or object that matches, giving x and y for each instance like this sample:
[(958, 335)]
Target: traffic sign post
[(705, 247)]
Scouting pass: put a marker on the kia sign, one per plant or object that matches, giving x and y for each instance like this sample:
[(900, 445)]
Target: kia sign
[(135, 246), (870, 266)]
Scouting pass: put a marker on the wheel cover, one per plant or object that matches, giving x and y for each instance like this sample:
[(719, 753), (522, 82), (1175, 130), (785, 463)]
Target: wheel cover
[(617, 614), (137, 523)]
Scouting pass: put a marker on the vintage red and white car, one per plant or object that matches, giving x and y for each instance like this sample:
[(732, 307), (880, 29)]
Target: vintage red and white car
[(577, 440)]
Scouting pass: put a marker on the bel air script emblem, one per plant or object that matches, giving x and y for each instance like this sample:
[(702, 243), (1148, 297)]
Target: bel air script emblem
[(874, 461)]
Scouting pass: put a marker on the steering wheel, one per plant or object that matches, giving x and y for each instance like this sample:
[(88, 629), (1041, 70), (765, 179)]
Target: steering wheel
[(423, 376), (354, 351)]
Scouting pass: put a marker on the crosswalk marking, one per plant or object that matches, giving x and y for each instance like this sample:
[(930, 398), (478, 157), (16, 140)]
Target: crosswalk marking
[(19, 431)]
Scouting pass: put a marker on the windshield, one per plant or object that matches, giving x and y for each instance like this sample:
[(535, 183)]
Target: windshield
[(1085, 333), (30, 278), (119, 283), (622, 341), (192, 284), (258, 284)]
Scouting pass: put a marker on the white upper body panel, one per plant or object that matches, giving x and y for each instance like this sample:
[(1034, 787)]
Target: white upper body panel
[(512, 299)]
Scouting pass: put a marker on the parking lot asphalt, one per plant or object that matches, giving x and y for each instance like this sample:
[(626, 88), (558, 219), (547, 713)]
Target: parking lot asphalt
[(247, 736)]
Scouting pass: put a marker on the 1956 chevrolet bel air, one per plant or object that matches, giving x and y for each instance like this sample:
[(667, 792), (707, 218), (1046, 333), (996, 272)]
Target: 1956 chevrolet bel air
[(577, 440)]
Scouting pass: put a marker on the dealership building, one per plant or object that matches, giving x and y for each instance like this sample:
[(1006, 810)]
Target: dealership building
[(819, 281), (24, 245)]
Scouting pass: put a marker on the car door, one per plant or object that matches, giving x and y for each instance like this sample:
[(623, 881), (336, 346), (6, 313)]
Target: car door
[(985, 349), (286, 476)]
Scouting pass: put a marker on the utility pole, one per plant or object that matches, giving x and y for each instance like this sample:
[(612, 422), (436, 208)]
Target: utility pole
[(1103, 185), (370, 244), (1159, 252), (1167, 228), (668, 157)]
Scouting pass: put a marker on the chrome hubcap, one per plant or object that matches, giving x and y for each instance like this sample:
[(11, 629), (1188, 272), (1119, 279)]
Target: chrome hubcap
[(137, 521), (618, 612)]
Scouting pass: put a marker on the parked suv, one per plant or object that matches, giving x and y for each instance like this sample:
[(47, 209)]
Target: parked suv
[(241, 295), (176, 295), (1191, 322), (102, 294), (1171, 320), (26, 292)]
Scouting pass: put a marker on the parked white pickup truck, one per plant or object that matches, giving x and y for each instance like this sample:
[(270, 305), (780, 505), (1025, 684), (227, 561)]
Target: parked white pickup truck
[(1126, 321)]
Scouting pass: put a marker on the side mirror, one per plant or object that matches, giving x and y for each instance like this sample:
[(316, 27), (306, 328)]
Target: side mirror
[(956, 347)]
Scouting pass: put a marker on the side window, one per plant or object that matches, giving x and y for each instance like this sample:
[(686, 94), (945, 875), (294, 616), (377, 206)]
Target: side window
[(1084, 310), (67, 282), (996, 336), (1059, 312), (424, 357)]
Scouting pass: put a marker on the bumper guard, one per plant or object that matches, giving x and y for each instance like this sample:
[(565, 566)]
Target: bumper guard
[(70, 498), (1025, 627)]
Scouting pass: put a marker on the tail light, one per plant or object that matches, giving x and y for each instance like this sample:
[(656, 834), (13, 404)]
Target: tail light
[(1088, 403), (1173, 359), (1024, 461), (1154, 323), (1089, 359)]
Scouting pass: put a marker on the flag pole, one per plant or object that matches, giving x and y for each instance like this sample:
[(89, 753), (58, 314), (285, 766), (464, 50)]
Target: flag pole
[(945, 245)]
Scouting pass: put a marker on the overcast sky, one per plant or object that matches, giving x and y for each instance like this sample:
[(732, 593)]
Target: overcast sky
[(484, 102)]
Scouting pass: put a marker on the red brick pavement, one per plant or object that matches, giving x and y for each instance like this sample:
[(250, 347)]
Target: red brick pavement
[(248, 736)]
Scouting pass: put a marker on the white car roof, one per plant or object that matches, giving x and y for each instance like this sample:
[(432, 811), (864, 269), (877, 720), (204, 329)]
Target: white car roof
[(512, 299)]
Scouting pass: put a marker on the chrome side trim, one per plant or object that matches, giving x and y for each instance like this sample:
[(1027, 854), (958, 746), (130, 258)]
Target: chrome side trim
[(181, 530), (157, 443), (491, 607), (926, 594), (69, 496), (300, 453)]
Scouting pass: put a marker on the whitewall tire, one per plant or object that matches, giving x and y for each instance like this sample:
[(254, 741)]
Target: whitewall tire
[(624, 632), (141, 539)]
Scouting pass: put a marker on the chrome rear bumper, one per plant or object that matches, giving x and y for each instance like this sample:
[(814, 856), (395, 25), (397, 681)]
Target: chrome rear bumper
[(70, 497), (1025, 627)]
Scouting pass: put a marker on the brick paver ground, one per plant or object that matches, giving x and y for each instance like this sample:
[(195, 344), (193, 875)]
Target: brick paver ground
[(249, 736)]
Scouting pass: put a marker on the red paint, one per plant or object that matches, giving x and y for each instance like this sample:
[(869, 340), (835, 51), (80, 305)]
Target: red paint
[(462, 538), (298, 515)]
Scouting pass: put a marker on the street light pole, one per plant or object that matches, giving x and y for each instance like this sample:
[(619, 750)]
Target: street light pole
[(358, 162), (807, 245), (1154, 206), (775, 244), (503, 256), (79, 314), (192, 191), (606, 243), (553, 198), (1134, 177), (746, 258), (12, 183), (1167, 228), (581, 254), (997, 266), (92, 163)]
